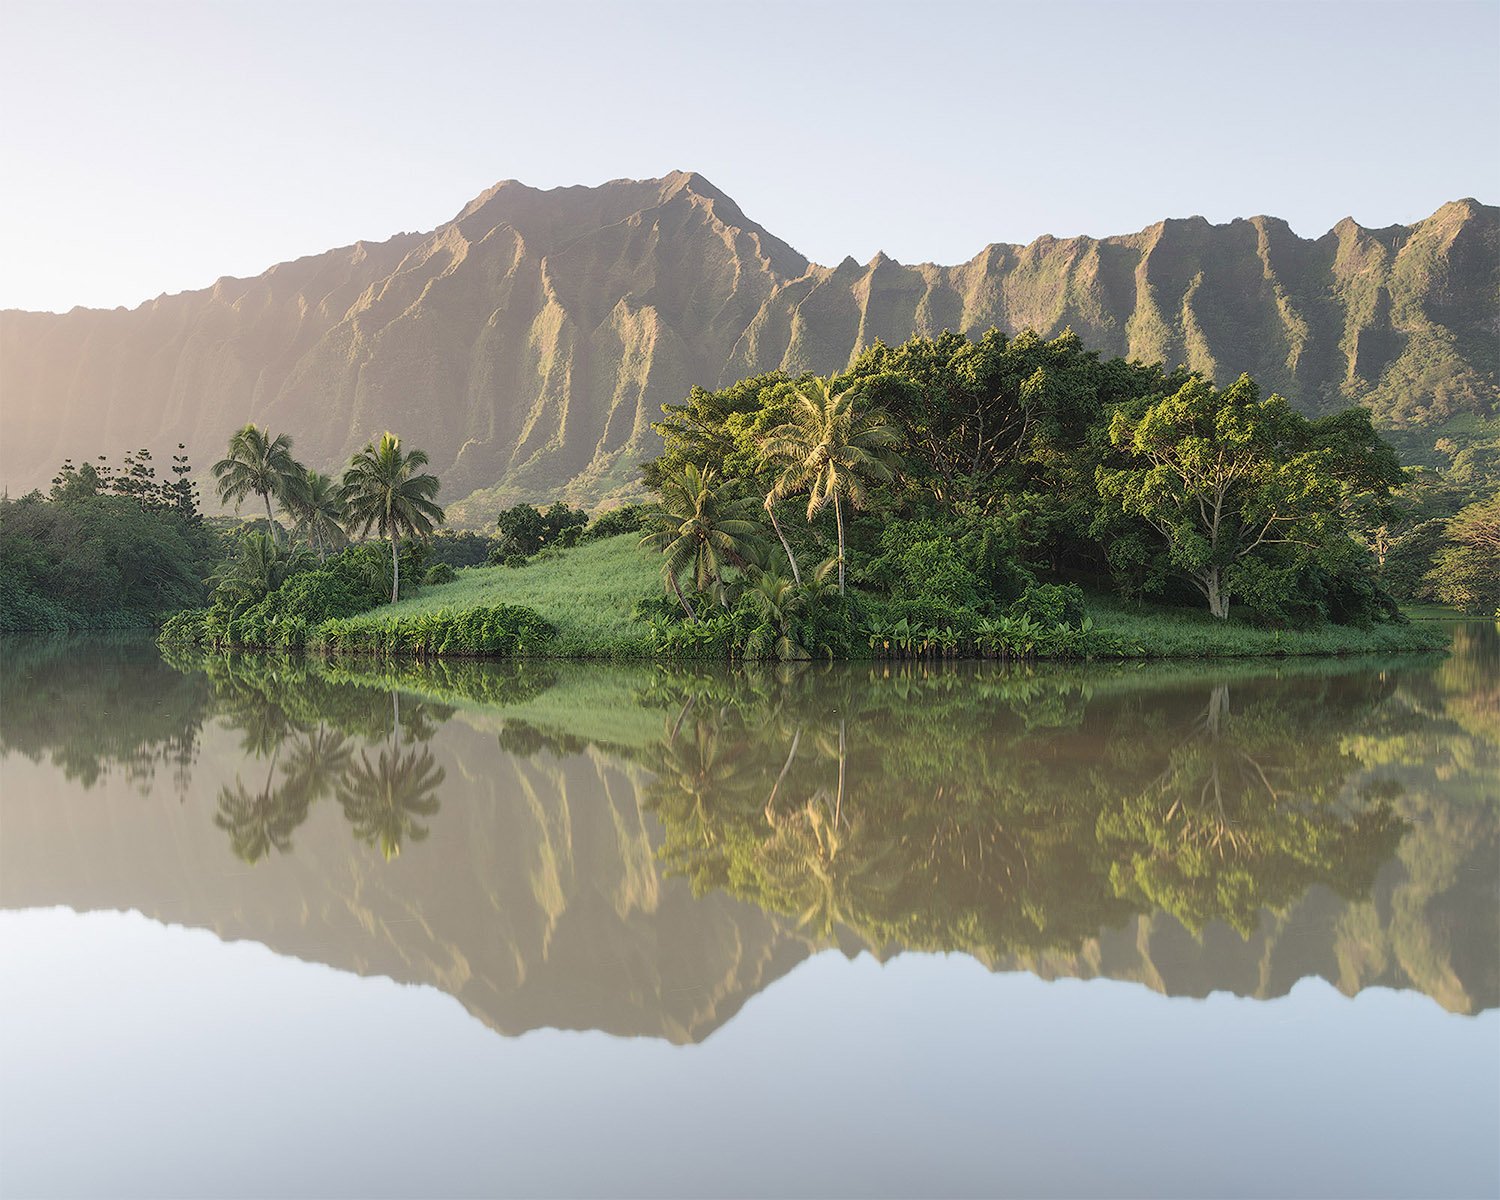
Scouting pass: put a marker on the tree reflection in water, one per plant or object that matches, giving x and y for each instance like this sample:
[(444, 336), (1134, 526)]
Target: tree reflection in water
[(313, 728), (998, 812), (383, 799)]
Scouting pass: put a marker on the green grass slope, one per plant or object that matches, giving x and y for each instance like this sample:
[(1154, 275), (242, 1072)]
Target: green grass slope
[(588, 592), (1152, 632)]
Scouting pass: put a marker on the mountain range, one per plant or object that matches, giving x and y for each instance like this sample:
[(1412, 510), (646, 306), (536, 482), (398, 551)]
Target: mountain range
[(529, 343)]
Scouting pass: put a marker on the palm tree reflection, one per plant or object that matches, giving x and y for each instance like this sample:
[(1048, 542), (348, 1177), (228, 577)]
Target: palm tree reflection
[(383, 790), (383, 799)]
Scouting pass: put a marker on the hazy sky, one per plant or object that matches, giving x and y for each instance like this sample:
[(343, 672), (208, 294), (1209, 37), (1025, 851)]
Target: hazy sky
[(151, 147)]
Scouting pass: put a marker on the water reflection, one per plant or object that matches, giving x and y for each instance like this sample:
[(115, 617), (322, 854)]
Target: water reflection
[(640, 850)]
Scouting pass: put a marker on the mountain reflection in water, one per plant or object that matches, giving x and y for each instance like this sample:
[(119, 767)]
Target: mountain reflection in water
[(640, 850)]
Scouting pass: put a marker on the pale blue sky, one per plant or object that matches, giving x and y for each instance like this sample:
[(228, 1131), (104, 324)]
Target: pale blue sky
[(151, 147)]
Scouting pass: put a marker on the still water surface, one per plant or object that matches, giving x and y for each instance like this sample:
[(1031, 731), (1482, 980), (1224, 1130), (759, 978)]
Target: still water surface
[(274, 928)]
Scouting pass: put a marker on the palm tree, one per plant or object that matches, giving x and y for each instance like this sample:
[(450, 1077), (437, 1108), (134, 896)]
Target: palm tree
[(257, 462), (382, 492), (317, 507), (831, 450), (696, 526), (777, 599), (258, 567)]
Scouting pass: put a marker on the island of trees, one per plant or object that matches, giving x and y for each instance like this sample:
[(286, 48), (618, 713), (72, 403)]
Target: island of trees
[(1005, 496)]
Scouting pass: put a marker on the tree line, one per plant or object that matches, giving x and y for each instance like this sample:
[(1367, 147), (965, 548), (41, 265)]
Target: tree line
[(970, 480)]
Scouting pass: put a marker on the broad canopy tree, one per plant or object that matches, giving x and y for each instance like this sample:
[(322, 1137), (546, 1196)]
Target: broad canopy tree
[(1237, 486), (1467, 572)]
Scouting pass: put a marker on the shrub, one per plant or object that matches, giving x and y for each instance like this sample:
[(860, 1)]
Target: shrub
[(500, 631), (441, 573), (933, 571), (464, 549), (778, 621), (524, 530), (628, 518), (1050, 604), (185, 628)]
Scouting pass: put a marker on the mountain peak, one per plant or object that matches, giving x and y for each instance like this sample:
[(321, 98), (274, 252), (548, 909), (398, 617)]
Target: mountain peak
[(531, 341)]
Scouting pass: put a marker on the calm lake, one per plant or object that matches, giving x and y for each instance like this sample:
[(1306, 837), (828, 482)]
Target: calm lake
[(274, 927)]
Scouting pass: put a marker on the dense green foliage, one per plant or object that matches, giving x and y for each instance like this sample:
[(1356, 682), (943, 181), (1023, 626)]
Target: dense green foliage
[(506, 630), (1461, 471), (1250, 497), (283, 611), (106, 549), (275, 590), (459, 549), (972, 486), (1466, 573), (524, 530)]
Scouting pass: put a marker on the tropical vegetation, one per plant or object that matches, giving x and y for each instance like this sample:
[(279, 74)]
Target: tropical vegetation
[(1004, 497), (961, 497)]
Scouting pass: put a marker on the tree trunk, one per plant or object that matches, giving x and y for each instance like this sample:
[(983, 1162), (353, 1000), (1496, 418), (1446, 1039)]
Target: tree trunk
[(1218, 596), (681, 599), (785, 545), (395, 568), (270, 520), (838, 518)]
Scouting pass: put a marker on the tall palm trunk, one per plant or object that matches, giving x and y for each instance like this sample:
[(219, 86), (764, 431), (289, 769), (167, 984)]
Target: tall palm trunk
[(838, 518), (785, 545), (273, 528), (681, 599), (395, 567)]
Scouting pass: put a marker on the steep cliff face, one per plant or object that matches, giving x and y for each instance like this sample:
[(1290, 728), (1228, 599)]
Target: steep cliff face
[(529, 343)]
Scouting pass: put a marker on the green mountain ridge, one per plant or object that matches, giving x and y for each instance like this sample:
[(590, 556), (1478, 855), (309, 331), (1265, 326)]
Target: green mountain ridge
[(529, 343)]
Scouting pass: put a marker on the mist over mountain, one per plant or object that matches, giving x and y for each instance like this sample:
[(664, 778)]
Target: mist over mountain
[(528, 344)]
